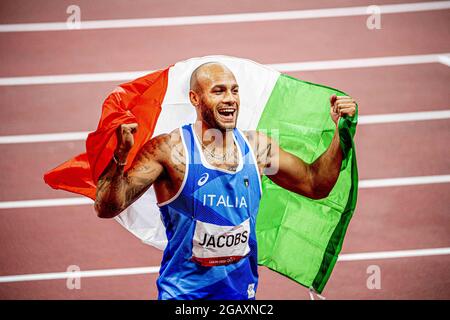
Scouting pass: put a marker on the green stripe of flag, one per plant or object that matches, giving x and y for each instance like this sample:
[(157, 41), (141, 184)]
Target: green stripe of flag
[(297, 236)]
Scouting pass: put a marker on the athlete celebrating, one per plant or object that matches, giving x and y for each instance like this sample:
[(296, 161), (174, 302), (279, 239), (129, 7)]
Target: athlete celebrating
[(207, 180)]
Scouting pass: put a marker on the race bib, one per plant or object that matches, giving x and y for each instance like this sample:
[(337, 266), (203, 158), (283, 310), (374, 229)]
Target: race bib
[(215, 245)]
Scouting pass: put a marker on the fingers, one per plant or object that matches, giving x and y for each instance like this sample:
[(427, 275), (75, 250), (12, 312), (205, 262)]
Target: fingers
[(338, 102), (344, 105), (125, 134), (344, 99), (333, 99), (347, 111), (345, 102), (125, 140), (129, 127), (333, 102)]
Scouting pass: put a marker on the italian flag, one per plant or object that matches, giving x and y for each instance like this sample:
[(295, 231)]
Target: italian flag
[(297, 236)]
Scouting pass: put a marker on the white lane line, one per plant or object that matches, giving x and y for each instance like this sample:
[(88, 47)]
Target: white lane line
[(358, 63), (362, 120), (404, 181), (155, 269), (393, 254), (401, 117), (445, 59), (45, 137), (75, 201), (363, 184), (79, 274), (281, 67), (227, 18), (73, 78)]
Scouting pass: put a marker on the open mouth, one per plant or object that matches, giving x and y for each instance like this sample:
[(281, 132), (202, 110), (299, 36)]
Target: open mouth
[(227, 114)]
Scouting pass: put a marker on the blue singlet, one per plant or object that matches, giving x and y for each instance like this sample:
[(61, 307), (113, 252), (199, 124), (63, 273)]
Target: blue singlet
[(210, 226)]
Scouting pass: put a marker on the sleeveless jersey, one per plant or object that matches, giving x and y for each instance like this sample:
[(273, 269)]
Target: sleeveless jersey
[(210, 226)]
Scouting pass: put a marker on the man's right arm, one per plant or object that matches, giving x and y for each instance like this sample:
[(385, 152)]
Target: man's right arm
[(117, 190)]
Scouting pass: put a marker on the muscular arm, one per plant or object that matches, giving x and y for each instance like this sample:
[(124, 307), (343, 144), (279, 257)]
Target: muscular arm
[(315, 180), (117, 190)]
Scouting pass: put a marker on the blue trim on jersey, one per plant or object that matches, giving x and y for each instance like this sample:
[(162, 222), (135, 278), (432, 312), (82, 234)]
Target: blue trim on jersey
[(181, 278)]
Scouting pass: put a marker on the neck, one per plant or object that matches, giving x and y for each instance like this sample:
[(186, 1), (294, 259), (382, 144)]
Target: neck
[(213, 137)]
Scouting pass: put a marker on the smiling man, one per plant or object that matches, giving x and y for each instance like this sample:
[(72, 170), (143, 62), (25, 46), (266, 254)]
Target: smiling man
[(207, 180)]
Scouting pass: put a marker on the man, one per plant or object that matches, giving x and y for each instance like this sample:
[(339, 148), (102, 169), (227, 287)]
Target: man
[(206, 178)]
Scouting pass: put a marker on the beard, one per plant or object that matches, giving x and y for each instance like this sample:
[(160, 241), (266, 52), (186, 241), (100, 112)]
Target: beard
[(211, 117)]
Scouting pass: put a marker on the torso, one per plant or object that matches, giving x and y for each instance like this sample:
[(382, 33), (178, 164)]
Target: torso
[(210, 220), (174, 163)]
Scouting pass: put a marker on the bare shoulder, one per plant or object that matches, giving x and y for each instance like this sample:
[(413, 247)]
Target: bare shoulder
[(161, 146), (261, 145), (252, 137), (257, 139)]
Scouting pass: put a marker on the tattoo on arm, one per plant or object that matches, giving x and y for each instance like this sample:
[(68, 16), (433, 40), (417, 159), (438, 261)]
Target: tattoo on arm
[(116, 190), (265, 154), (109, 186)]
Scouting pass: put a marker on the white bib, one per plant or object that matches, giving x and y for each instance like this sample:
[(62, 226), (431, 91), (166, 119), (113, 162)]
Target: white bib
[(215, 245)]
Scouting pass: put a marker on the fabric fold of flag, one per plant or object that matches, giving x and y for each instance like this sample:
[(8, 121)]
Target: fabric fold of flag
[(298, 237), (136, 101)]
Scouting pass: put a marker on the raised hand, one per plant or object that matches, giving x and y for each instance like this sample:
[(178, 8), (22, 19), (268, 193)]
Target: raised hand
[(341, 106), (125, 140)]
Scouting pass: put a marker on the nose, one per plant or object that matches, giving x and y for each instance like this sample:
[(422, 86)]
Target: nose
[(229, 98)]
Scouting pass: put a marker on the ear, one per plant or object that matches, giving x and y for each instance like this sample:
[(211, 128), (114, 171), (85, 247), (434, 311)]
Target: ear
[(195, 99)]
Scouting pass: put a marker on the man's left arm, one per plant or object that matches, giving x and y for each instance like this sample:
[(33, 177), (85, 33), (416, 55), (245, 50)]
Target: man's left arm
[(315, 180)]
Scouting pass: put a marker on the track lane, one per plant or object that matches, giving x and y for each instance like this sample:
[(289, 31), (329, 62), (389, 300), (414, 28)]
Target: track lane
[(420, 278), (153, 48), (381, 151), (403, 149), (77, 107), (408, 278), (24, 177), (51, 239), (23, 11), (409, 227), (92, 243), (389, 89), (410, 217), (136, 287)]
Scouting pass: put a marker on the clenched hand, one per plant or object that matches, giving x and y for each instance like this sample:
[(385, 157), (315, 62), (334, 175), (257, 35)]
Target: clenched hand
[(125, 140), (341, 106)]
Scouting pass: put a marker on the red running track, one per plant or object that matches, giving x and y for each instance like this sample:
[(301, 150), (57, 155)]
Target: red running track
[(45, 240)]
